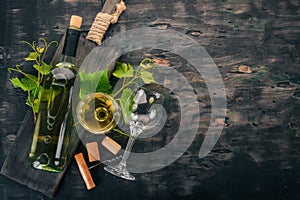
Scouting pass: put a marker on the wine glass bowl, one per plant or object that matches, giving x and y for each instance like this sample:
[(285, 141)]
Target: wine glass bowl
[(98, 113)]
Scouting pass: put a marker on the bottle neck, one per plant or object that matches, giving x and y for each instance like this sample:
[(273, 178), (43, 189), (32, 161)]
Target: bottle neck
[(67, 59), (71, 42)]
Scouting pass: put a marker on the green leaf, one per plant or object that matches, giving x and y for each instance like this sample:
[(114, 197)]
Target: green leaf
[(18, 84), (104, 83), (129, 72), (32, 77), (29, 84), (93, 82), (123, 70), (147, 77), (25, 84), (43, 69), (126, 102), (34, 98), (32, 56), (88, 83), (37, 100)]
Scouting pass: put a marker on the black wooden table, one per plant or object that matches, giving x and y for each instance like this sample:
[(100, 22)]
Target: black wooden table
[(257, 155)]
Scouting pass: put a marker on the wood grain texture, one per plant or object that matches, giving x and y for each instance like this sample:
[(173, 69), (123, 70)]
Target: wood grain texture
[(257, 155)]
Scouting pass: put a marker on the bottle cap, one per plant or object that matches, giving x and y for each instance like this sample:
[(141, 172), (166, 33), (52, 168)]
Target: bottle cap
[(76, 21)]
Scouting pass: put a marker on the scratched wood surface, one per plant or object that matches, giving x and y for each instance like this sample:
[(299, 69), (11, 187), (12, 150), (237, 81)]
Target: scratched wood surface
[(257, 155)]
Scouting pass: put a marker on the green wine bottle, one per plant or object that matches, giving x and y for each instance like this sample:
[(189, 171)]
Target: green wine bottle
[(52, 130)]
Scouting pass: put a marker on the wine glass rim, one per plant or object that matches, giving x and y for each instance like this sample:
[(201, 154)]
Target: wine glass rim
[(115, 119)]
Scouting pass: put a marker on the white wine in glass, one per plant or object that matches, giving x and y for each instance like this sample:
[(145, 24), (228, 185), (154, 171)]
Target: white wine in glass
[(98, 113)]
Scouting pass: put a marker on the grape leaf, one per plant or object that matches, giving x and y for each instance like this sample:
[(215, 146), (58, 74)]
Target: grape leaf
[(25, 84), (147, 77), (34, 98), (29, 83), (18, 84), (123, 70), (43, 69), (103, 83), (126, 102), (94, 82), (32, 56), (32, 77)]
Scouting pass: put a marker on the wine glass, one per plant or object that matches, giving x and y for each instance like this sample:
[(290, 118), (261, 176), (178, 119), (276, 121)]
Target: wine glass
[(139, 123)]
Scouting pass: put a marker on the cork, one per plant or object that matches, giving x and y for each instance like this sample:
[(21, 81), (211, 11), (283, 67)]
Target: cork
[(111, 145), (84, 171), (75, 21), (93, 151)]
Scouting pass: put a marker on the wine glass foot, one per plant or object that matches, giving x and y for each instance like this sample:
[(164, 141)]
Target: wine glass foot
[(120, 171)]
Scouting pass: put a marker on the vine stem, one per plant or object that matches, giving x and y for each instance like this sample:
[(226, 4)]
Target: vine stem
[(34, 115), (23, 73), (122, 133), (125, 85), (32, 106)]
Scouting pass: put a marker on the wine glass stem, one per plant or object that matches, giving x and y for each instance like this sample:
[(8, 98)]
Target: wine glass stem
[(127, 151)]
